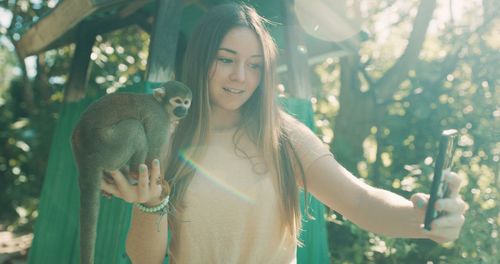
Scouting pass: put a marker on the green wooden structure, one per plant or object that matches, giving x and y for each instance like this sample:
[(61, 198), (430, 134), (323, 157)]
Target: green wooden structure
[(80, 21)]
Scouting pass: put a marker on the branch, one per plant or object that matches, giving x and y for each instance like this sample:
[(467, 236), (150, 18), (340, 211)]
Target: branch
[(389, 83), (366, 75), (450, 62)]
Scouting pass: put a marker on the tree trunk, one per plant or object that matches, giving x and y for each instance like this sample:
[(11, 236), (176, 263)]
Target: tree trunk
[(357, 109), (355, 117)]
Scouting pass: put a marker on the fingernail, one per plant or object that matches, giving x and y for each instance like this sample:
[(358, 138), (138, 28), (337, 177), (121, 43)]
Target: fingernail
[(156, 162), (420, 204), (142, 168)]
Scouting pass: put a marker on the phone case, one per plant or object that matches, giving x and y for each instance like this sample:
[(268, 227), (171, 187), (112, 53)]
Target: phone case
[(443, 163)]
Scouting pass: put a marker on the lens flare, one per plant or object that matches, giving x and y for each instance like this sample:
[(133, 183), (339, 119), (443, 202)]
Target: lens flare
[(203, 172), (327, 19)]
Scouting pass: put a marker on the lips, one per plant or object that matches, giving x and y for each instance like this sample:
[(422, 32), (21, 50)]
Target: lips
[(233, 91)]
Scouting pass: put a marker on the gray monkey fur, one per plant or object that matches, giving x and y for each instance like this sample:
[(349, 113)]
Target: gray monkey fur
[(121, 129)]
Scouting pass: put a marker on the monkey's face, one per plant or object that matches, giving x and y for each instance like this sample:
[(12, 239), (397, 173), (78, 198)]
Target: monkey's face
[(178, 107), (175, 98)]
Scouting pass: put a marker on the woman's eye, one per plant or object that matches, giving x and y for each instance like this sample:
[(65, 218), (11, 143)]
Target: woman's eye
[(224, 60), (256, 66), (178, 101)]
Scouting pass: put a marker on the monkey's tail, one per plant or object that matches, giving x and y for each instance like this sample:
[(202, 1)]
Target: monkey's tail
[(90, 189)]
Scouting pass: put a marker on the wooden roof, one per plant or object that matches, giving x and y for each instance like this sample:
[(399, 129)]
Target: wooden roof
[(58, 28)]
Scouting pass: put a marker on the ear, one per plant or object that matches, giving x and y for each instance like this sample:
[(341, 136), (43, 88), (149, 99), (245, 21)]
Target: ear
[(159, 94)]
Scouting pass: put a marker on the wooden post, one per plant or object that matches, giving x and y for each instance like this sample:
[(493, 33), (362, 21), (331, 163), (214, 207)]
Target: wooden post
[(163, 45), (296, 54), (78, 75)]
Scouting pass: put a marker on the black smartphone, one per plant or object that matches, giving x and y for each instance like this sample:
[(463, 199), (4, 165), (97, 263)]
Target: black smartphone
[(439, 188)]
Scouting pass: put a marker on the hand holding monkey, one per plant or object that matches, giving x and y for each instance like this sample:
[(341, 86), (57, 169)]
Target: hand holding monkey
[(149, 190)]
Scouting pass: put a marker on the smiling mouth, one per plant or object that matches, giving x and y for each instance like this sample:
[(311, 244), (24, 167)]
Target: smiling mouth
[(233, 91)]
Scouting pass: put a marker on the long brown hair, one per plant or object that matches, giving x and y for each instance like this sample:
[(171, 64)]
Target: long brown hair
[(261, 118)]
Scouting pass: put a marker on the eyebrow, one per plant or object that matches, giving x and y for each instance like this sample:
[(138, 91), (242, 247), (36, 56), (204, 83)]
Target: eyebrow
[(235, 52)]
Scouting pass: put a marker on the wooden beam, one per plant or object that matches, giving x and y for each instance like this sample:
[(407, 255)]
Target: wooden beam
[(146, 24), (109, 24), (108, 2), (133, 7), (296, 54), (78, 76), (51, 29), (99, 27), (163, 45), (65, 16)]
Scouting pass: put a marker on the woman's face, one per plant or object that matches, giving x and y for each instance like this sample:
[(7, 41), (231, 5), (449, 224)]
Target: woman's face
[(236, 71)]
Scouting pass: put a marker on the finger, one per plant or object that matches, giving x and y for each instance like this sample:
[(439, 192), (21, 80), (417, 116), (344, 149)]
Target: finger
[(155, 178), (451, 205), (107, 177), (420, 200), (109, 188), (143, 187), (120, 180), (124, 188), (448, 221), (454, 183), (155, 173), (444, 234), (125, 170)]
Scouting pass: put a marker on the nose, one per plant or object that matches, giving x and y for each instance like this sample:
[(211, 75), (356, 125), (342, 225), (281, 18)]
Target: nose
[(238, 73), (180, 111)]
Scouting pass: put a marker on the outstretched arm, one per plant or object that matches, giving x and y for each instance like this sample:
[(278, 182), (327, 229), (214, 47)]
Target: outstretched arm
[(381, 211)]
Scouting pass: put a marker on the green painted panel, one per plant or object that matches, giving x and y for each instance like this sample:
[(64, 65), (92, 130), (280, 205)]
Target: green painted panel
[(57, 227)]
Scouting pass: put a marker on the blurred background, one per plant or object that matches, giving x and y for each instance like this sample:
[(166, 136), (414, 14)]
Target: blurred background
[(401, 72)]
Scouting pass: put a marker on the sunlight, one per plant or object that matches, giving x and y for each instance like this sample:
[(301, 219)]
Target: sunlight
[(339, 20), (327, 19), (5, 17), (454, 12)]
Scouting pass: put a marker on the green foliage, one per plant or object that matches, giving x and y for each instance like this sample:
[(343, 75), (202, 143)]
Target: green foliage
[(454, 85)]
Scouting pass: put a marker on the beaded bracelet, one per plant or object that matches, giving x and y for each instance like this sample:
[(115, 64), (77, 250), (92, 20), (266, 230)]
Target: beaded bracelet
[(161, 209)]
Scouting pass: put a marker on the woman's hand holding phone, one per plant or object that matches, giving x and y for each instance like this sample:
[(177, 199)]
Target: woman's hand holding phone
[(444, 208), (439, 187)]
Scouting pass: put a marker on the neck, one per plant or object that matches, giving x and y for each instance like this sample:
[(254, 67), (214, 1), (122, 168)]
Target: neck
[(223, 120)]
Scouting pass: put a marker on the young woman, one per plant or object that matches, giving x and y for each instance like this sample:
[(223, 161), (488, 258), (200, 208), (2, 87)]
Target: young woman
[(237, 161)]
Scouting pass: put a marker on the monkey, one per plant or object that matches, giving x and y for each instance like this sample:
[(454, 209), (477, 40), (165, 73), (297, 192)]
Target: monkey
[(120, 130)]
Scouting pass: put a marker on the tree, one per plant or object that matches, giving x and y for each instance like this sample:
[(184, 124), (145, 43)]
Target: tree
[(391, 110)]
